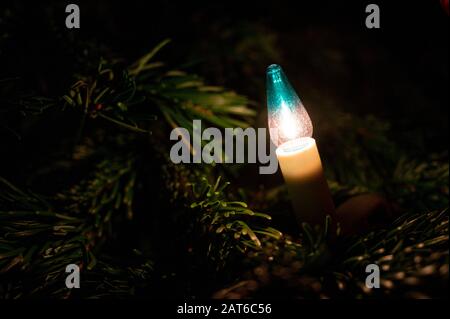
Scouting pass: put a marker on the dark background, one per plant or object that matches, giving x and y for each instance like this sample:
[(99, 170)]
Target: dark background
[(399, 72)]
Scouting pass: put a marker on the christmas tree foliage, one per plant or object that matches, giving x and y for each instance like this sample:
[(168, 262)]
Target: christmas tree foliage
[(91, 184)]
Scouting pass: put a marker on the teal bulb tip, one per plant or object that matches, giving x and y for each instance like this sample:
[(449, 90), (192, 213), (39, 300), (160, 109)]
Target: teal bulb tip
[(273, 68)]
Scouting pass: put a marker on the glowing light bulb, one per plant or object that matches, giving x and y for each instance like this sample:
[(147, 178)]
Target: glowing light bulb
[(288, 119)]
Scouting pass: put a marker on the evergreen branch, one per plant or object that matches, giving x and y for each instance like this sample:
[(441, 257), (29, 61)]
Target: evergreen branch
[(110, 94), (425, 184), (413, 250), (410, 252), (135, 95), (36, 244), (142, 64), (37, 241), (229, 225), (108, 190), (123, 124)]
